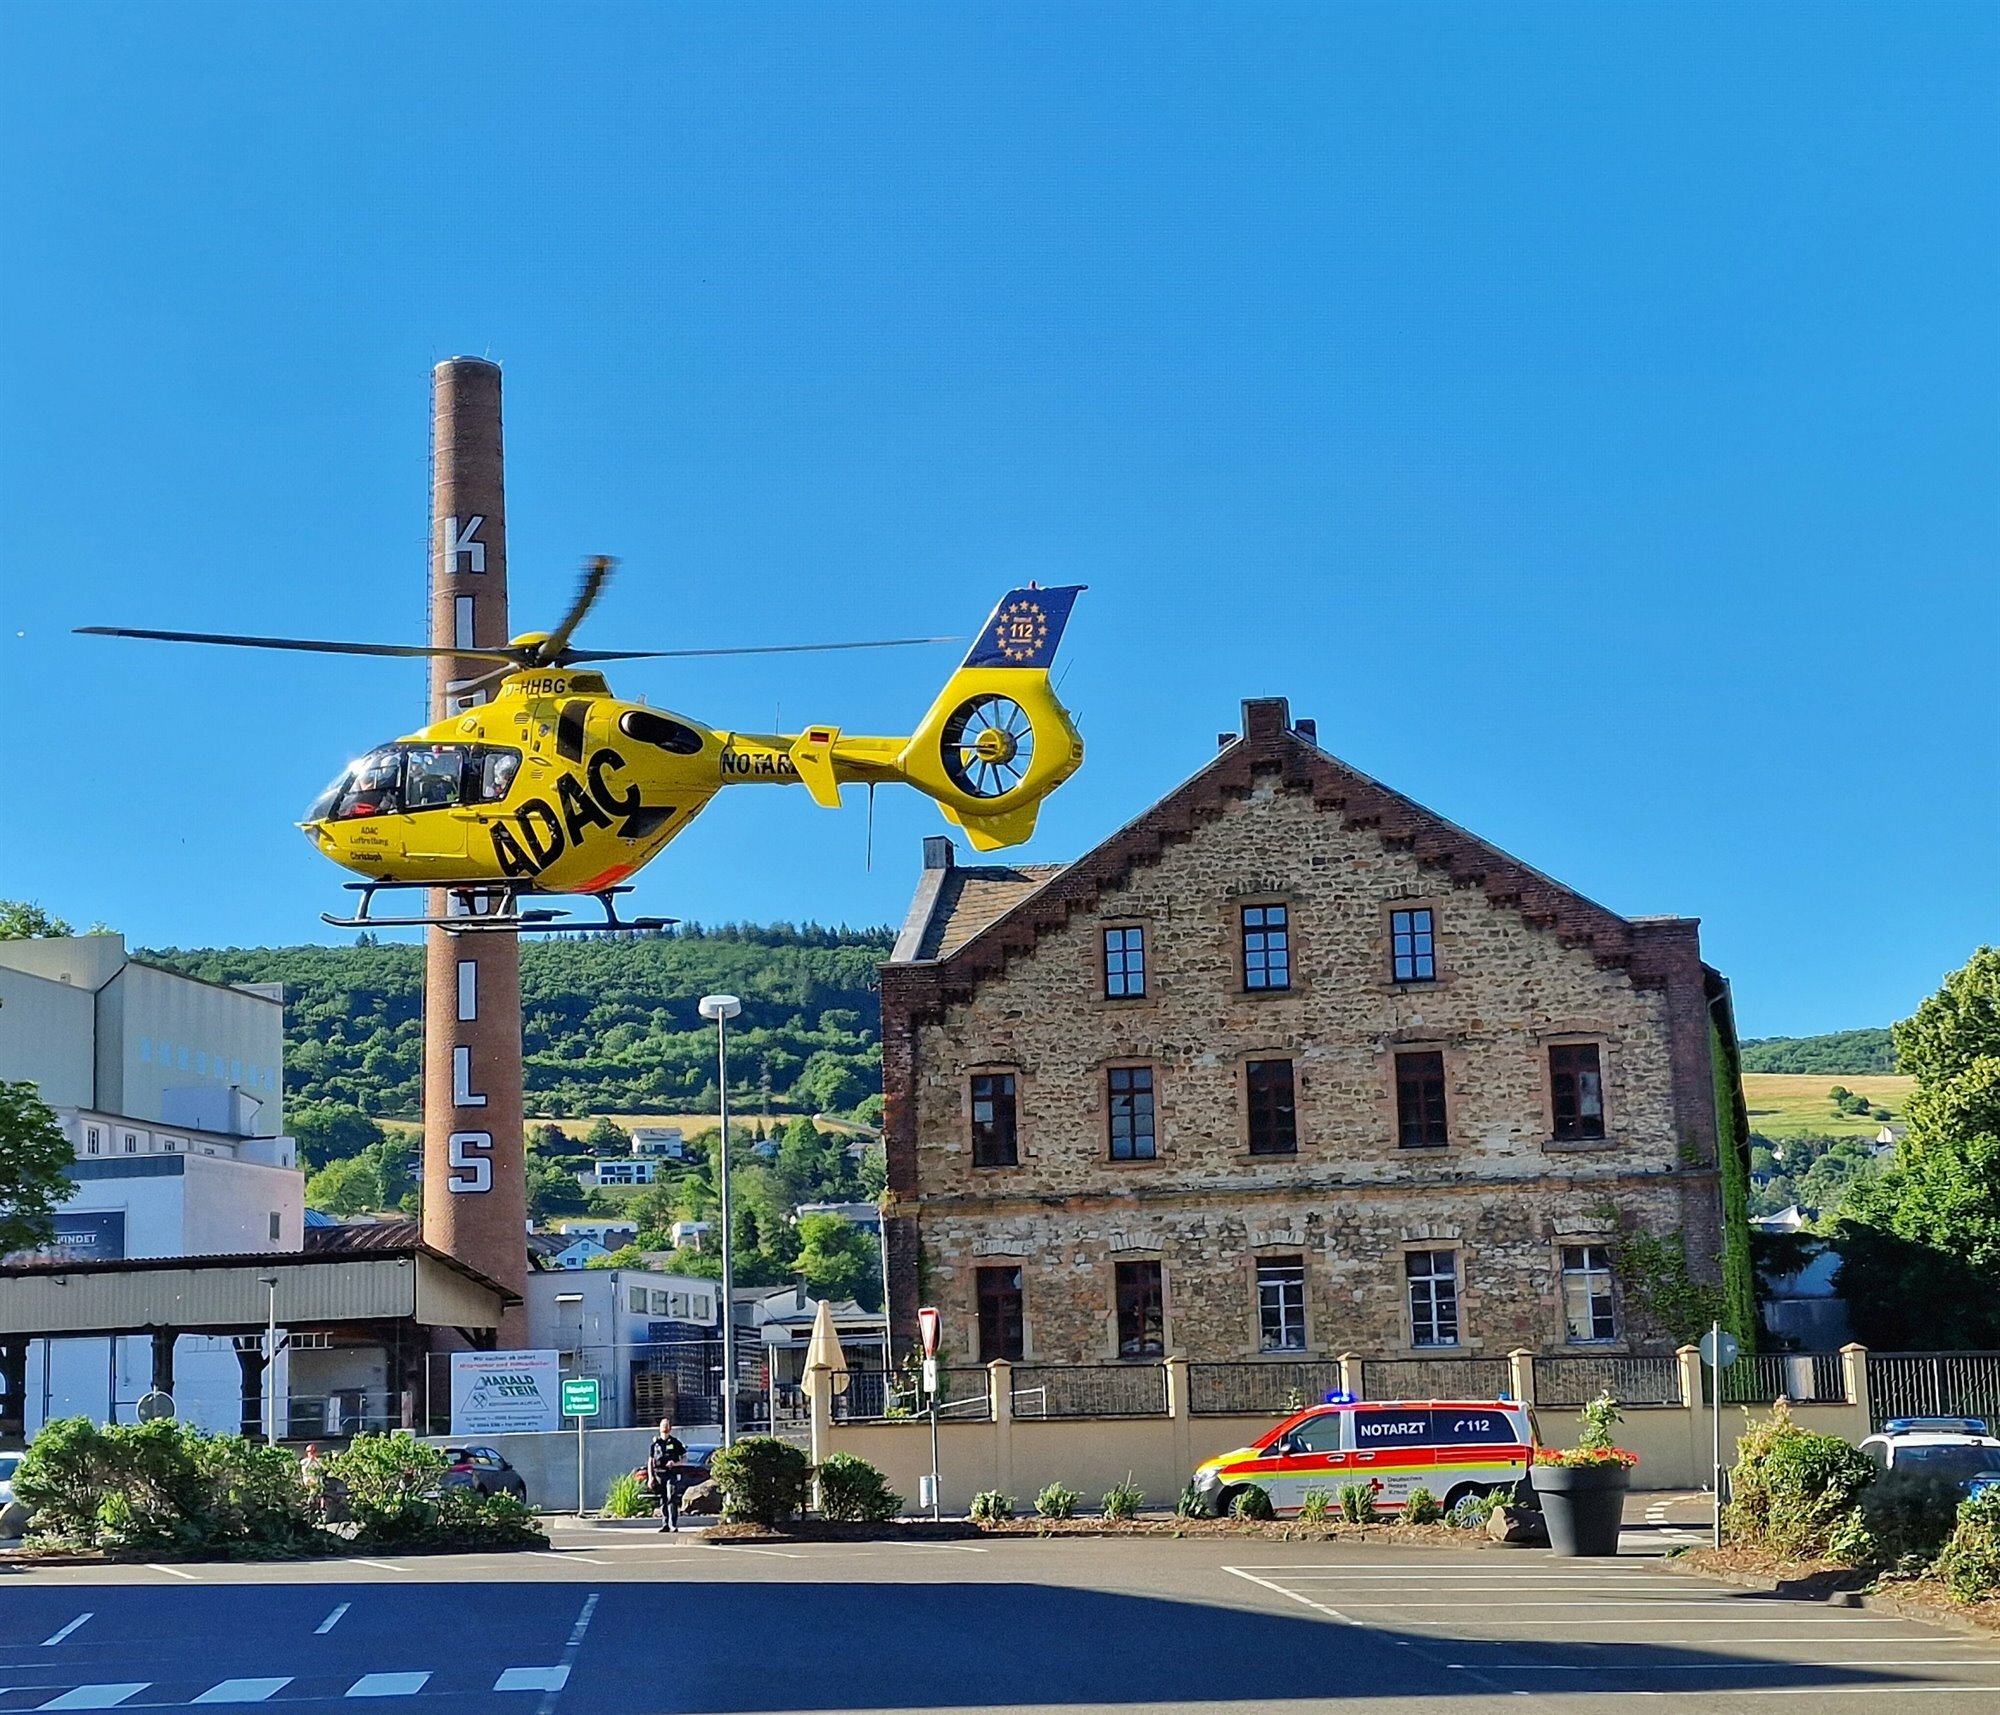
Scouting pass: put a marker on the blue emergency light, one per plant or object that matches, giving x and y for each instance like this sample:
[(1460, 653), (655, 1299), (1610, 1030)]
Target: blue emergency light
[(1935, 1426), (1338, 1398)]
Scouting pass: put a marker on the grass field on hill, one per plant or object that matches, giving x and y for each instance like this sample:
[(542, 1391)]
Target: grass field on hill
[(1785, 1104)]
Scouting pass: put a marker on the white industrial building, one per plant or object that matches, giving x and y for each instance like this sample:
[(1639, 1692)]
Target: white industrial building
[(171, 1092), (652, 1339)]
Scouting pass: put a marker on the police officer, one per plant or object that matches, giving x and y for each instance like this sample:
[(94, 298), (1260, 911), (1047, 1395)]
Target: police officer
[(663, 1459)]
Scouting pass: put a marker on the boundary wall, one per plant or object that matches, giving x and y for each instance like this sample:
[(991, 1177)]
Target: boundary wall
[(1021, 1455)]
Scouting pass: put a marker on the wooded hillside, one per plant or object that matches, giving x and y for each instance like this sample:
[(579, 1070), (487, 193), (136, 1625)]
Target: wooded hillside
[(609, 1025), (1839, 1051)]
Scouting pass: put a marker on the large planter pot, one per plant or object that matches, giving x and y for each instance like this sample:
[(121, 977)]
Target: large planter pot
[(1583, 1504)]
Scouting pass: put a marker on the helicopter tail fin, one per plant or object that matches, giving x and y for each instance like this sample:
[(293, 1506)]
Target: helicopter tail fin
[(997, 740)]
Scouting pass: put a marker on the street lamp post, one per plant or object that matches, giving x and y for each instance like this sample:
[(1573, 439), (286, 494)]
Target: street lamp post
[(270, 1283), (722, 1008)]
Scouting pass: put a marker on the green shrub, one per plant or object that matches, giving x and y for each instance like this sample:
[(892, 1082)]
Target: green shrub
[(763, 1480), (1316, 1507), (1798, 1493), (467, 1520), (628, 1497), (1422, 1507), (1905, 1518), (163, 1487), (1357, 1503), (1058, 1502), (392, 1484), (990, 1506), (1190, 1504), (1970, 1563), (1123, 1500), (1252, 1502), (852, 1491)]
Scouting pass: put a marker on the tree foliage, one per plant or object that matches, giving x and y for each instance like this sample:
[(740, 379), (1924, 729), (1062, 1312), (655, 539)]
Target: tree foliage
[(1841, 1053), (22, 920), (33, 1154), (608, 1025), (1920, 1243)]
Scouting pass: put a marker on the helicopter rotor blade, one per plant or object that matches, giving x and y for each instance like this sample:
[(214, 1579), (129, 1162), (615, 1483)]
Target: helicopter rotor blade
[(596, 574), (397, 650), (758, 649)]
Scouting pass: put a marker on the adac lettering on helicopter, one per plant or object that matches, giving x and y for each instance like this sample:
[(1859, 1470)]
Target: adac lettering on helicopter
[(540, 832)]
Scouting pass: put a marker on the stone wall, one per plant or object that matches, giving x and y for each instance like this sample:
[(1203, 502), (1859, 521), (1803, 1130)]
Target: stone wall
[(1502, 1193)]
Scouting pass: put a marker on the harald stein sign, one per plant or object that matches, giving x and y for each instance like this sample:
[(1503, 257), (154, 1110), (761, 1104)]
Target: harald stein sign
[(493, 1393)]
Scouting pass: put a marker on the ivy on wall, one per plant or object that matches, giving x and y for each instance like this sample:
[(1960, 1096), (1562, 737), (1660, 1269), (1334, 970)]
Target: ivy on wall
[(1732, 1132)]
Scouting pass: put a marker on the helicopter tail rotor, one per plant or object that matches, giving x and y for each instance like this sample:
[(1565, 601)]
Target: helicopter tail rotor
[(997, 740)]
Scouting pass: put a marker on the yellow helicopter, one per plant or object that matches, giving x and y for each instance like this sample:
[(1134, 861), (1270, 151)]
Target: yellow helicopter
[(555, 786)]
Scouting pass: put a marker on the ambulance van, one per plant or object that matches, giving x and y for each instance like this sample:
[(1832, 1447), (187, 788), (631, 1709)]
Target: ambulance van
[(1452, 1447)]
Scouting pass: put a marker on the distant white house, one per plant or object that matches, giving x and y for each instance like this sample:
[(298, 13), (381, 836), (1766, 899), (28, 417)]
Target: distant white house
[(663, 1141), (610, 1234), (688, 1233), (633, 1171), (579, 1253), (866, 1216), (1886, 1140)]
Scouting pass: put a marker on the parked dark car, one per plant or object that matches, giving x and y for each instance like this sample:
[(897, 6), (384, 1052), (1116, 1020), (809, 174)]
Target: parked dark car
[(483, 1469)]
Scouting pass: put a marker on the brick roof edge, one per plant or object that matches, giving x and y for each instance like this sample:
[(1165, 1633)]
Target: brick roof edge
[(1652, 950)]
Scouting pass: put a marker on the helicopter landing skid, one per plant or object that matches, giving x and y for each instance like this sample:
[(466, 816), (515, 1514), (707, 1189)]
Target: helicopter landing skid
[(487, 909)]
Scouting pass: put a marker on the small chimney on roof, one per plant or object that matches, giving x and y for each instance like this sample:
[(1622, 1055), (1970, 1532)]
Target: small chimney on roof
[(1307, 730), (938, 852), (1223, 740)]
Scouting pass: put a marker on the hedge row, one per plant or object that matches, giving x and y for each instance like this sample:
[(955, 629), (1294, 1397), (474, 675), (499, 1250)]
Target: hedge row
[(165, 1488), (1804, 1496)]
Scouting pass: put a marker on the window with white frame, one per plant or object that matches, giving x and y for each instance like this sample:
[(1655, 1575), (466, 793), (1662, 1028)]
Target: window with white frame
[(1588, 1310), (1432, 1277), (1124, 963), (635, 1300), (92, 1138), (1281, 1303)]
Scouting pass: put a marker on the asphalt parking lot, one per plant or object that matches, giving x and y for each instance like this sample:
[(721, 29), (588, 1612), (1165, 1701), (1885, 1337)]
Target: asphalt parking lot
[(624, 1623)]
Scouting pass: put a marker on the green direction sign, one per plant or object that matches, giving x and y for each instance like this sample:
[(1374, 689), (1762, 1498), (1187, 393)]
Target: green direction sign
[(579, 1396)]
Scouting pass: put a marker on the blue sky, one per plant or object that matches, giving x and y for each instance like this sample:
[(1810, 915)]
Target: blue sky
[(1586, 413)]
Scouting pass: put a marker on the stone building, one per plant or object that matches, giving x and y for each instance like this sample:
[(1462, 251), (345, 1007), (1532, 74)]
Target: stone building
[(1291, 1066)]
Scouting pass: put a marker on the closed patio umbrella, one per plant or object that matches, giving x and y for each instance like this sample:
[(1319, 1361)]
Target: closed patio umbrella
[(823, 1349)]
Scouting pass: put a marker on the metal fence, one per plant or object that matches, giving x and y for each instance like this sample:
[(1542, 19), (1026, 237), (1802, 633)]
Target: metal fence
[(1247, 1389), (1933, 1384), (1631, 1381), (873, 1396), (1802, 1377), (1434, 1378), (353, 1412), (1090, 1390)]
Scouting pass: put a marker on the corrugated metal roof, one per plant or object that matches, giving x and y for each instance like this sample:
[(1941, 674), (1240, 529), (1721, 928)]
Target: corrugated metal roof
[(325, 1284)]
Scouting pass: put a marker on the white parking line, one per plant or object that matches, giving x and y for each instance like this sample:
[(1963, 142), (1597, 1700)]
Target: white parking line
[(1318, 1607), (57, 1637), (171, 1572), (1586, 1602), (243, 1690), (96, 1696), (387, 1685), (380, 1566), (1818, 1662), (333, 1619), (576, 1632), (532, 1679)]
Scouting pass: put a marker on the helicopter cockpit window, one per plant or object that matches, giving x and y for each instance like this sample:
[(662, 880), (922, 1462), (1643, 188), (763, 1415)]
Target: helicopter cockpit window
[(373, 786), (489, 773), (431, 778)]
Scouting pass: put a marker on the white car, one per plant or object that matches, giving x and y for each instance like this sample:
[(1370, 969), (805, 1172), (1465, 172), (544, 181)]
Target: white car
[(13, 1516), (1957, 1448)]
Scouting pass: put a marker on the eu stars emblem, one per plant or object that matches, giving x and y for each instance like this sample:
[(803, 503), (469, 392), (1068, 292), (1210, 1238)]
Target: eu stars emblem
[(1022, 631)]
